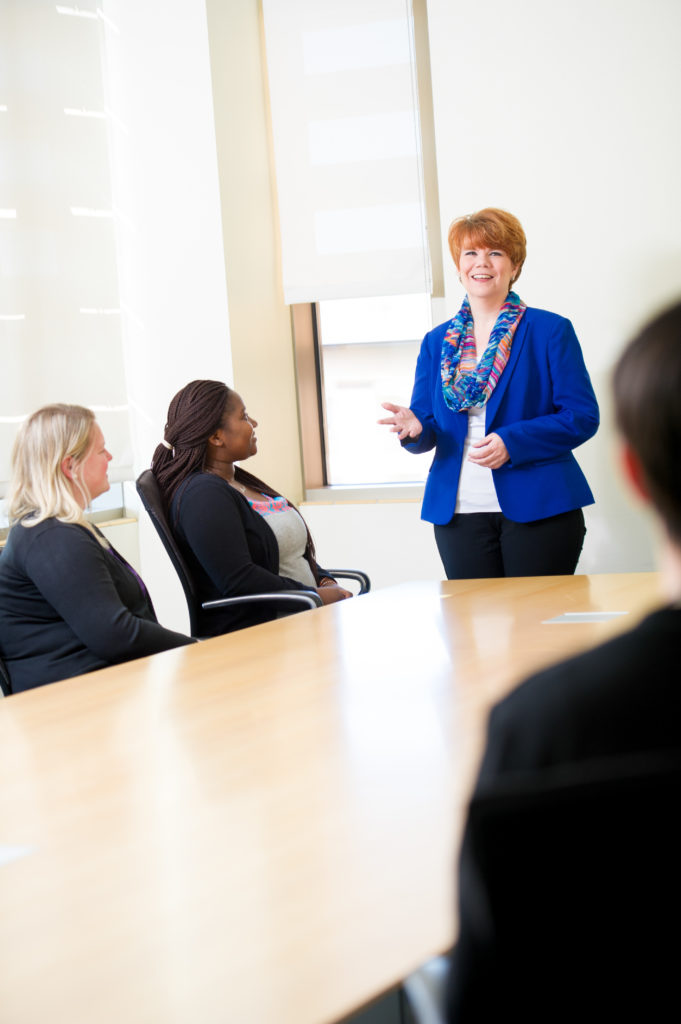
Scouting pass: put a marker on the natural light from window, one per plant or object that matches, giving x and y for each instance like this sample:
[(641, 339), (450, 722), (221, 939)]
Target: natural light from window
[(369, 348)]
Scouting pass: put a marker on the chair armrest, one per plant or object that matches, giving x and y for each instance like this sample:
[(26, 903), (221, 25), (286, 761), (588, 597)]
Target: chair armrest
[(5, 685), (425, 991), (308, 598), (353, 574)]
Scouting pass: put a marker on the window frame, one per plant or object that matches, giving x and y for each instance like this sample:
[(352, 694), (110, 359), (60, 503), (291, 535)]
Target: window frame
[(306, 332)]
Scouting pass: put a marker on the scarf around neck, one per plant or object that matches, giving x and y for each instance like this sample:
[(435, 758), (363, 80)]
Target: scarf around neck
[(465, 383)]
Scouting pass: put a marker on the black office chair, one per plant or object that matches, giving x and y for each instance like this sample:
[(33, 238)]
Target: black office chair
[(571, 895), (5, 684), (148, 490)]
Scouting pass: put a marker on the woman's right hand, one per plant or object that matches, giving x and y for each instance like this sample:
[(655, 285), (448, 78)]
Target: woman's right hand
[(402, 422)]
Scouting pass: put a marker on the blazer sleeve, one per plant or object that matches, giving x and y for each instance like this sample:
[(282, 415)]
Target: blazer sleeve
[(421, 403), (214, 530), (71, 571), (574, 417)]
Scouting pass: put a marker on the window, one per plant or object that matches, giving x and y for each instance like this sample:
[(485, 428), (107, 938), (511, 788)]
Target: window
[(60, 324), (354, 161), (365, 354)]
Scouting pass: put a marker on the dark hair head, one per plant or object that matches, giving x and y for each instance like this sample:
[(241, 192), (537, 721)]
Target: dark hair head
[(647, 392), (492, 228), (194, 414)]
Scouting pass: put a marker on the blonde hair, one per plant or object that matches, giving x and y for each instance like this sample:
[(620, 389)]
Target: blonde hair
[(40, 489)]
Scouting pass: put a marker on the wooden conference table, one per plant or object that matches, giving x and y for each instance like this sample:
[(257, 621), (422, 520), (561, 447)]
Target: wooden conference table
[(263, 827)]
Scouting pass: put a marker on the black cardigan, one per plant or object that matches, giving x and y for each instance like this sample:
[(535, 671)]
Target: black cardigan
[(68, 606), (230, 551)]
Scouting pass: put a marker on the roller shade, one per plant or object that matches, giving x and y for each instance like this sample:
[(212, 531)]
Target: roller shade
[(60, 324), (347, 148)]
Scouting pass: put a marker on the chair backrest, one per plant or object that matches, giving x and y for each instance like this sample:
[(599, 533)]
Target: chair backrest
[(148, 490), (574, 879), (5, 684)]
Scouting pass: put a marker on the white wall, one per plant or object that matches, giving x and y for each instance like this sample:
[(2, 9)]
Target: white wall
[(388, 540), (168, 229), (260, 323), (566, 114)]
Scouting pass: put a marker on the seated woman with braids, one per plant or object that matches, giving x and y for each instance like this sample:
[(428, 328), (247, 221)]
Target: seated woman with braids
[(238, 535)]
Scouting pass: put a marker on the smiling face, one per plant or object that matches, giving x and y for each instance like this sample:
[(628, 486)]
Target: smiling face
[(92, 471), (486, 273), (237, 431)]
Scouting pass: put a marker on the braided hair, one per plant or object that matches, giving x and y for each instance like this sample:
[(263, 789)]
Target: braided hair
[(194, 414)]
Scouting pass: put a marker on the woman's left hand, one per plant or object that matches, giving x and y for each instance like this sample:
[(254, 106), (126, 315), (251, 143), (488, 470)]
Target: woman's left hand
[(491, 452), (330, 592)]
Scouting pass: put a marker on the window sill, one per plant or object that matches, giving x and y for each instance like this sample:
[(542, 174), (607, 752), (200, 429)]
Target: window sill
[(104, 518), (363, 494)]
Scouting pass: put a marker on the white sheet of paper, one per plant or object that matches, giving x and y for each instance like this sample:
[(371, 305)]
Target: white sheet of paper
[(10, 853), (570, 617)]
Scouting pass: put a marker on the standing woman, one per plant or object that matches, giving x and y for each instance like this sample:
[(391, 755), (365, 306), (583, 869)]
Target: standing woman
[(503, 396), (69, 603)]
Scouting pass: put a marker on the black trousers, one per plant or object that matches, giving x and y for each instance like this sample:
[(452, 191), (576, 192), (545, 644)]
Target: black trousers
[(480, 545)]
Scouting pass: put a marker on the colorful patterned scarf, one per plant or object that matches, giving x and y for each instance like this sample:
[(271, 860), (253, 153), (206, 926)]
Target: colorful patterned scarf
[(464, 383)]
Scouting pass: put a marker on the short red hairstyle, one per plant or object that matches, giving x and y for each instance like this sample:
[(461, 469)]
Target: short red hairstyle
[(493, 229)]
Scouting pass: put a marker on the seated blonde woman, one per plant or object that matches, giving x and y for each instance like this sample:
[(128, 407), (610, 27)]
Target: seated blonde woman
[(69, 602)]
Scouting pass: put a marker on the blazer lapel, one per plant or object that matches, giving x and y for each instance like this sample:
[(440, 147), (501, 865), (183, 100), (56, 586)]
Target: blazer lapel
[(502, 384)]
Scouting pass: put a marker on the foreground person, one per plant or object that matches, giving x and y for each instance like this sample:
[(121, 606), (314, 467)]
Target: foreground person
[(588, 933)]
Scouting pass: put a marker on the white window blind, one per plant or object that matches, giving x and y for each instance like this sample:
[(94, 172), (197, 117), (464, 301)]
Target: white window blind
[(347, 148), (60, 332), (112, 277)]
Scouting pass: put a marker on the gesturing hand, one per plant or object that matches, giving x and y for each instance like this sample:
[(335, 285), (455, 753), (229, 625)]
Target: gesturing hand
[(491, 452), (402, 422)]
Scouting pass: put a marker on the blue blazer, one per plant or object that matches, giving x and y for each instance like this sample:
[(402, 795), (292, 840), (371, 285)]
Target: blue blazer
[(542, 407)]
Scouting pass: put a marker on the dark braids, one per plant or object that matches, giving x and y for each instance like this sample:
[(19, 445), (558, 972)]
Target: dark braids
[(194, 414)]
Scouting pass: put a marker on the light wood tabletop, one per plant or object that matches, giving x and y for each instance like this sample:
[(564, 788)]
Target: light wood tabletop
[(264, 827)]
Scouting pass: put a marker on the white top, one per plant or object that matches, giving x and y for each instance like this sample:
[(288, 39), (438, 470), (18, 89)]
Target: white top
[(476, 486), (289, 529)]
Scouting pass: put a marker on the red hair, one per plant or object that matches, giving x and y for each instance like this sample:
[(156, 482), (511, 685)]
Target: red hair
[(493, 229)]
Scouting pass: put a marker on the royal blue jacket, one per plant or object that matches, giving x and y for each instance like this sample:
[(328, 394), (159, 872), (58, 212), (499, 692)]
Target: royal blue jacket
[(542, 407)]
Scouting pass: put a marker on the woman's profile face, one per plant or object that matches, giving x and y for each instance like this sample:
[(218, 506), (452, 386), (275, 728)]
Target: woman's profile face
[(485, 273), (237, 430), (93, 470)]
